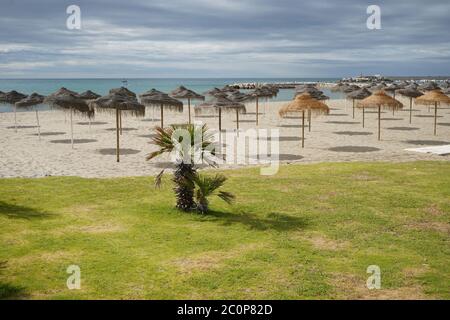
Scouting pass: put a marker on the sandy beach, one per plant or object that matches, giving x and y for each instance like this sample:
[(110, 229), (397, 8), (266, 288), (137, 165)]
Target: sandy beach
[(336, 137)]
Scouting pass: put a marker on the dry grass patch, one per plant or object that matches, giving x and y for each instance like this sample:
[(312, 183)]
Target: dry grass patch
[(211, 259), (430, 225), (434, 210), (352, 287)]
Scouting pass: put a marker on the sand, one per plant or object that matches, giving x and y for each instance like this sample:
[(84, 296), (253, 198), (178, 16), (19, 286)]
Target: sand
[(334, 138)]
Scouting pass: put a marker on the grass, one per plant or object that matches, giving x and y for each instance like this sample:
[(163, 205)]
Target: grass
[(308, 232)]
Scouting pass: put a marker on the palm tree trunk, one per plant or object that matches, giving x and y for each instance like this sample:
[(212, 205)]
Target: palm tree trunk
[(184, 191)]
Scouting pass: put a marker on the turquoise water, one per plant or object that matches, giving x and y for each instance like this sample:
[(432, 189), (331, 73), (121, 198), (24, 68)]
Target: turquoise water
[(102, 86)]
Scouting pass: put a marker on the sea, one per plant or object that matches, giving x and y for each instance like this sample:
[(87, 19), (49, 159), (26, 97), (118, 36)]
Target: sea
[(102, 86)]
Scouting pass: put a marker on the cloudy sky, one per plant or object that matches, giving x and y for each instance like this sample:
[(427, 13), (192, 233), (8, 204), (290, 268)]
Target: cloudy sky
[(223, 38)]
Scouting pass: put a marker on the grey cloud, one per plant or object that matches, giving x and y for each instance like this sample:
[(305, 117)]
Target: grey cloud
[(223, 38)]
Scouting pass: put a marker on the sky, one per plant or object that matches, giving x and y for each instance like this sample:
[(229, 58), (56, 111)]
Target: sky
[(223, 38)]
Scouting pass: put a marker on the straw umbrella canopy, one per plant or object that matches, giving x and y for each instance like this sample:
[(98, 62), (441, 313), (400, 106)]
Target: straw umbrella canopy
[(123, 91), (30, 101), (428, 86), (186, 94), (221, 104), (70, 101), (380, 99), (392, 88), (255, 95), (359, 95), (213, 92), (435, 97), (155, 98), (12, 97), (410, 93), (118, 103), (302, 103), (89, 95), (446, 91), (377, 87), (314, 93)]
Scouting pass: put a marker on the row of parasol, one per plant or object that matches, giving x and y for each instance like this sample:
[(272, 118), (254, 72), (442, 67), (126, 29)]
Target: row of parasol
[(308, 100), (123, 101)]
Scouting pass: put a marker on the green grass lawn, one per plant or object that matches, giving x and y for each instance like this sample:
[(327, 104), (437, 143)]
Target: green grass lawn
[(308, 232)]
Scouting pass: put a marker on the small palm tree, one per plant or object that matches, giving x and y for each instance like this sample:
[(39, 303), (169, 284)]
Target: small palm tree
[(189, 144), (206, 186)]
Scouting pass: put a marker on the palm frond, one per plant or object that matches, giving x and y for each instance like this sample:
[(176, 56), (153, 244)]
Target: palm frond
[(158, 179), (226, 196)]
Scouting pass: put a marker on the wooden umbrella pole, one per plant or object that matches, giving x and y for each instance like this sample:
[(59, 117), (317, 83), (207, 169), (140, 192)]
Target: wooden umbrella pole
[(15, 118), (237, 121), (162, 116), (220, 121), (303, 128), (410, 110), (435, 118), (309, 120), (353, 108), (120, 121), (364, 113), (393, 109), (257, 110), (71, 126), (38, 125), (189, 109), (379, 123), (117, 136)]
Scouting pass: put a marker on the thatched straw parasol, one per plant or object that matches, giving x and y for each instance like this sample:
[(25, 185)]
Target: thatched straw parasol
[(255, 95), (118, 103), (186, 94), (12, 97), (221, 104), (213, 92), (123, 91), (392, 88), (69, 101), (359, 95), (30, 101), (446, 91), (380, 99), (155, 98), (435, 97), (411, 93), (89, 95), (300, 104), (428, 86), (314, 93), (377, 87)]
